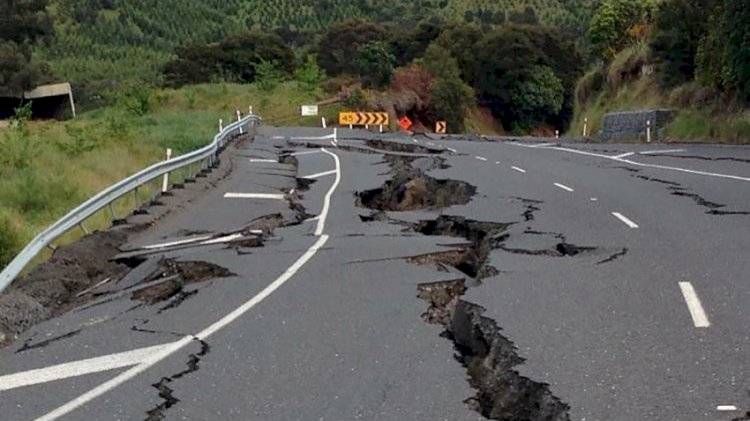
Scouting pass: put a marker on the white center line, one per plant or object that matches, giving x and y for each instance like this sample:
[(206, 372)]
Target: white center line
[(564, 187), (694, 305), (481, 158), (320, 174), (169, 349), (727, 408), (521, 170), (266, 196), (662, 151), (625, 220)]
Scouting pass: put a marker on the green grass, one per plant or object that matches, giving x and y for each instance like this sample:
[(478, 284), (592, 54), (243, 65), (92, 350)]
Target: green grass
[(57, 165), (692, 125)]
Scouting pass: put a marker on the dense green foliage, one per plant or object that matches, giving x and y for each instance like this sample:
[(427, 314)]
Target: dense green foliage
[(235, 59), (22, 24)]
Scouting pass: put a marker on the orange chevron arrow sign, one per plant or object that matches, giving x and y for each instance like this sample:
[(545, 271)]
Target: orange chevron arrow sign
[(441, 127), (363, 119)]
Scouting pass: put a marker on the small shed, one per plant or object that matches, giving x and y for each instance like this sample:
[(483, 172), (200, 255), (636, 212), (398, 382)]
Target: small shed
[(47, 102)]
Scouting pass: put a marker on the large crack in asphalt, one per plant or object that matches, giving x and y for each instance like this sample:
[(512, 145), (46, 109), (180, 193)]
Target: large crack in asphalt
[(411, 188), (676, 189), (175, 277), (489, 358), (166, 393)]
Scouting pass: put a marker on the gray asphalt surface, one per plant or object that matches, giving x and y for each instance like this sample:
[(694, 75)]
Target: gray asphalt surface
[(343, 337)]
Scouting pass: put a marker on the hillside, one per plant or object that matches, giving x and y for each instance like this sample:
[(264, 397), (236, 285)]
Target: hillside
[(102, 40)]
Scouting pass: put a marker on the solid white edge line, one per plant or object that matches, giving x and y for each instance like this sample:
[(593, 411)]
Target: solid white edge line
[(170, 349), (625, 155), (521, 170), (330, 136), (77, 368), (334, 144), (481, 158), (452, 150), (225, 239), (176, 243), (625, 220), (270, 161), (564, 187), (542, 145), (656, 166), (727, 408), (319, 175), (327, 200), (695, 307), (662, 151), (267, 196)]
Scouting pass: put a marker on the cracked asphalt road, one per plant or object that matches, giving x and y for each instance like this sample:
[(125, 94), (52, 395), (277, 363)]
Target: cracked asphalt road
[(606, 296)]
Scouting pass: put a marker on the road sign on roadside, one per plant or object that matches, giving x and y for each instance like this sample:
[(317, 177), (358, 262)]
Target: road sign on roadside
[(309, 110), (441, 127), (405, 123), (363, 119)]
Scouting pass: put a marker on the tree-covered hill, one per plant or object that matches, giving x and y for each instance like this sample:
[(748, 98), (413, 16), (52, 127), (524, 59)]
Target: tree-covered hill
[(105, 40)]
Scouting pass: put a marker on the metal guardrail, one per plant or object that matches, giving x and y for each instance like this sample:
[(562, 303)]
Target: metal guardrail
[(78, 215)]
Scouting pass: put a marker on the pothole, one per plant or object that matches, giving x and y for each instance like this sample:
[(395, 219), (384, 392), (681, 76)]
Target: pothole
[(489, 358), (412, 189)]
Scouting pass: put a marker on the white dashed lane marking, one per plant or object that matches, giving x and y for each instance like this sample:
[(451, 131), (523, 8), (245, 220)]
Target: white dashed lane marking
[(625, 220), (521, 170), (564, 187), (700, 319)]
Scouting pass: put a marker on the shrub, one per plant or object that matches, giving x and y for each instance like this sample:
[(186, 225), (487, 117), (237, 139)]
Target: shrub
[(9, 241)]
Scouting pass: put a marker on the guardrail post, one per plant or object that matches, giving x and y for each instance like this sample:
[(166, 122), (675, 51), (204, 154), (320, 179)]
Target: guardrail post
[(323, 121), (135, 198), (83, 228), (648, 131), (165, 181), (221, 125), (239, 118)]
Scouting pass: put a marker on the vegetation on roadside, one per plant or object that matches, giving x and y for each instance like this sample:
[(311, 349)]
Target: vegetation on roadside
[(688, 55), (47, 168)]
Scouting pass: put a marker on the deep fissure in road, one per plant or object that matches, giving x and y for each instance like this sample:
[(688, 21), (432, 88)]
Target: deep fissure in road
[(412, 189), (489, 359), (471, 259)]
